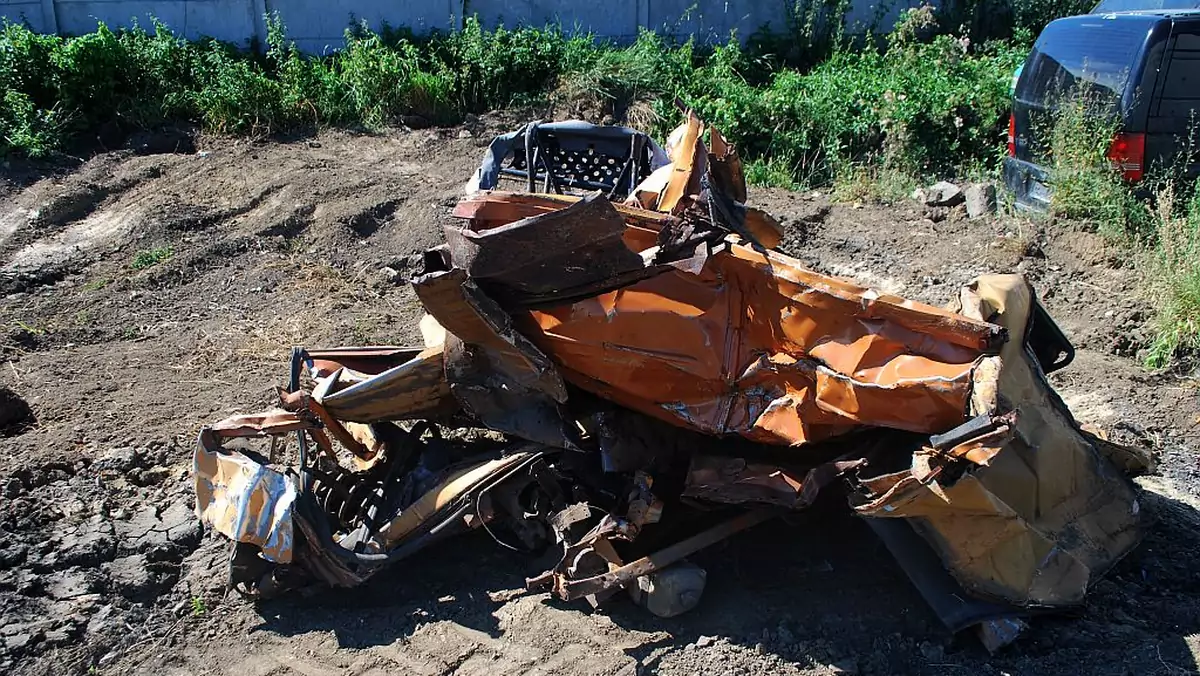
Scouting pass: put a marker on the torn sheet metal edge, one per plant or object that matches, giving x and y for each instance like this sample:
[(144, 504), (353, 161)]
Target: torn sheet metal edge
[(732, 480), (414, 389), (1046, 514), (464, 310), (244, 500)]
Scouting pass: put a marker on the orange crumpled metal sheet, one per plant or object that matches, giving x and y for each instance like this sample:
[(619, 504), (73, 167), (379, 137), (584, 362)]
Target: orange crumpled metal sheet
[(748, 342), (757, 346)]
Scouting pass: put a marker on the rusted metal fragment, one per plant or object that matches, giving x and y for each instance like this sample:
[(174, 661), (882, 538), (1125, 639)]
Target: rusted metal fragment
[(1047, 514), (310, 404), (414, 389), (757, 346), (450, 492), (738, 480), (494, 208), (763, 227), (689, 162), (498, 398), (573, 581), (368, 361), (725, 166), (465, 311), (495, 372), (578, 250)]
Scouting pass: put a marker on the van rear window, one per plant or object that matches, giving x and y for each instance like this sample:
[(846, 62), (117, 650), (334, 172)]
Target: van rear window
[(1092, 56)]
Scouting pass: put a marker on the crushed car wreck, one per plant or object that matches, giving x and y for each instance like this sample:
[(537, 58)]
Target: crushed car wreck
[(651, 376)]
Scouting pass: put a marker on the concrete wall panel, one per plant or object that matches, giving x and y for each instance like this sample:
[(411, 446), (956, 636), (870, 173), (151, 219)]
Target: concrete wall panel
[(616, 19), (31, 12), (230, 20), (318, 25), (76, 17), (713, 21)]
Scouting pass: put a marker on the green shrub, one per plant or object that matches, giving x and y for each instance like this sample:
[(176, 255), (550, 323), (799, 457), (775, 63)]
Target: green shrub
[(492, 69), (914, 107), (1032, 16), (148, 258), (25, 127), (31, 120)]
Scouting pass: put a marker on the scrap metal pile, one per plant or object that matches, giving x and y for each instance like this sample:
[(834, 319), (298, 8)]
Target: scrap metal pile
[(652, 376)]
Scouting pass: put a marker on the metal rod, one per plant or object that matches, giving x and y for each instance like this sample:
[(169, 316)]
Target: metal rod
[(620, 577)]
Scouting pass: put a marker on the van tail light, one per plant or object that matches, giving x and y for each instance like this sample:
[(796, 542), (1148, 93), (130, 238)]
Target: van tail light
[(1128, 153), (1012, 135)]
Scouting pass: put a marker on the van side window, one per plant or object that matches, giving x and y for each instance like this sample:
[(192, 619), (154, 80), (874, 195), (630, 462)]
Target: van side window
[(1181, 81)]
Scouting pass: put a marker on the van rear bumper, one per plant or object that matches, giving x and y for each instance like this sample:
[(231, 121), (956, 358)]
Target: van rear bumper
[(1027, 183)]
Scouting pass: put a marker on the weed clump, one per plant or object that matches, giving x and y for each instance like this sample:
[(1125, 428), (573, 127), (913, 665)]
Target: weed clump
[(148, 258), (1174, 273), (1088, 187)]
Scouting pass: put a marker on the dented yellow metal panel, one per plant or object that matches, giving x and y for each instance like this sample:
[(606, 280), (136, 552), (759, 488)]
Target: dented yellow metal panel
[(1044, 512)]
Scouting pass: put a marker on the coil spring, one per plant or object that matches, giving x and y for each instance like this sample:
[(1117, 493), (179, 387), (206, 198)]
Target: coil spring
[(344, 497), (353, 499)]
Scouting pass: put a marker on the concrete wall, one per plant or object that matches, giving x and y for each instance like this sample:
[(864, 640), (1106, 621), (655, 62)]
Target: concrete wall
[(317, 25)]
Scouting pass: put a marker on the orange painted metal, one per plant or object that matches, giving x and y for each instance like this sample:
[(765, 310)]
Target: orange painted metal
[(757, 346), (748, 343)]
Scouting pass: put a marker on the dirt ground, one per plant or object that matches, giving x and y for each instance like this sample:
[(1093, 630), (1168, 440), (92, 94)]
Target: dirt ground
[(262, 245)]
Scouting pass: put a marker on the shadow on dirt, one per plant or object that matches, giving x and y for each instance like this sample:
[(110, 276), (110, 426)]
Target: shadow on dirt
[(816, 589), (16, 416)]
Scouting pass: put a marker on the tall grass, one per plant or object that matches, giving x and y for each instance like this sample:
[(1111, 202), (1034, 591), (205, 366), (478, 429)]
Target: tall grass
[(1088, 188), (1162, 232), (1174, 274)]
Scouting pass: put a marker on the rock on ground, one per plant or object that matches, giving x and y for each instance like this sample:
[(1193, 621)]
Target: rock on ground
[(940, 194), (980, 199)]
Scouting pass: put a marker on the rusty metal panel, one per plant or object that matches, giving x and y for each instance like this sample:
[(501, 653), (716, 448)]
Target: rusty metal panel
[(414, 389), (754, 345), (738, 480), (575, 250)]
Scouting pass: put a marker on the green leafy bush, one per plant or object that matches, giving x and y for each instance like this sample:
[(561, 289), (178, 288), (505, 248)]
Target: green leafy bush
[(915, 108), (908, 105), (148, 258)]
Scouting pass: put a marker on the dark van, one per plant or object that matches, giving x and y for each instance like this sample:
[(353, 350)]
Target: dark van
[(1144, 66)]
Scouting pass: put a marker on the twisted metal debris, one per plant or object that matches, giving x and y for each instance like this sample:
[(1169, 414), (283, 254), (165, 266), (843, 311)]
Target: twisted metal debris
[(655, 377)]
